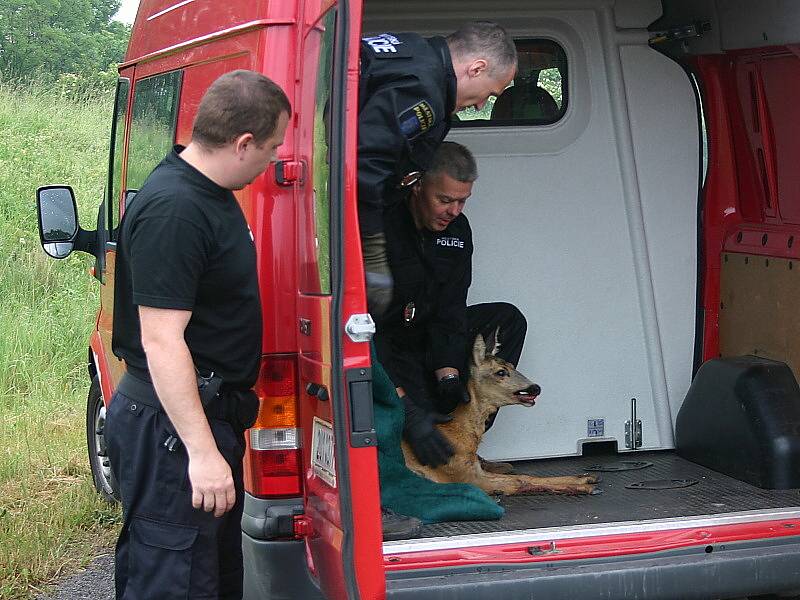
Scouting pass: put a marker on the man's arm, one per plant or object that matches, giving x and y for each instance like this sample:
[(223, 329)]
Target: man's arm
[(172, 370), (386, 125), (448, 326)]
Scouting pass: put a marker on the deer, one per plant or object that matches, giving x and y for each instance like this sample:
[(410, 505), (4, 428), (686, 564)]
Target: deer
[(493, 383)]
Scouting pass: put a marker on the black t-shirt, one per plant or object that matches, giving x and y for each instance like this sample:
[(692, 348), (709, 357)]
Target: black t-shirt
[(185, 244)]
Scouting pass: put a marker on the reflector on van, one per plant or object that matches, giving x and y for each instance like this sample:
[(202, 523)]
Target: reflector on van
[(273, 463)]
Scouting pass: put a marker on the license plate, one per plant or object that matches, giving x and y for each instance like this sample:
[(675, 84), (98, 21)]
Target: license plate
[(322, 460)]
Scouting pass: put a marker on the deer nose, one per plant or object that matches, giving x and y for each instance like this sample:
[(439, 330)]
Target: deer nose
[(534, 390)]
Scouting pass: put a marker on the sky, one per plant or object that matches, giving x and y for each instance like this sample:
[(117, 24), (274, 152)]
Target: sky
[(127, 12)]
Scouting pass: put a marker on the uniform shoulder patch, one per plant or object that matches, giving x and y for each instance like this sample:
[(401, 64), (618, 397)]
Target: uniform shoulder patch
[(386, 45), (416, 119)]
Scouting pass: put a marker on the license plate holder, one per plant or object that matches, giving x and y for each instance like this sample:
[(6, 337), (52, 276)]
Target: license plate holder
[(323, 462)]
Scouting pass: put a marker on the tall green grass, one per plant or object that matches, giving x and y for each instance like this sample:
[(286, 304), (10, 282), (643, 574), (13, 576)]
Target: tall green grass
[(51, 520)]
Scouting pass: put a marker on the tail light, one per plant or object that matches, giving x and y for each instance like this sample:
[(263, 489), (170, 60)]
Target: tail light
[(273, 465)]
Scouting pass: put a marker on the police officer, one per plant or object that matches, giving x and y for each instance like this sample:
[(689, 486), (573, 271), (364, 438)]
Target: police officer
[(409, 88), (187, 322), (425, 338)]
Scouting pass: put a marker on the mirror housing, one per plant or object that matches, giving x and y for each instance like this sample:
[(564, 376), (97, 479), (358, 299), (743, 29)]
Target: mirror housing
[(59, 230)]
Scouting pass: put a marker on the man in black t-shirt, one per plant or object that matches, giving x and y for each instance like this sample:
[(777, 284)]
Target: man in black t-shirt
[(187, 322), (408, 90)]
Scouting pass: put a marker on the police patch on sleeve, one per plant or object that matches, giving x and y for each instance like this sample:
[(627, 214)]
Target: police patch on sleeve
[(387, 45), (416, 119)]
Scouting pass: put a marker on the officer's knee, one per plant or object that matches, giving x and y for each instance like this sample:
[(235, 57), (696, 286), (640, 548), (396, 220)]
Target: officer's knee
[(512, 317)]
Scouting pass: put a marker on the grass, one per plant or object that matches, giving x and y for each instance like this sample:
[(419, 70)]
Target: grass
[(51, 520)]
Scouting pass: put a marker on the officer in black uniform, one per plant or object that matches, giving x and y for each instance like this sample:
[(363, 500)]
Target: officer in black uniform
[(425, 338), (409, 88), (187, 322)]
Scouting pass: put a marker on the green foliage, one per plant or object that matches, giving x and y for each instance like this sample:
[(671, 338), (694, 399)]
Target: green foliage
[(50, 517), (42, 39)]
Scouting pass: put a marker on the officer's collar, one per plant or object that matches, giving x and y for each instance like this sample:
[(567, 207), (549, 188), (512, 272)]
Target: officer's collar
[(440, 44)]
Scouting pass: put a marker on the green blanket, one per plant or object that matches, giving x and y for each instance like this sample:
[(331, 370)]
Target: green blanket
[(405, 492)]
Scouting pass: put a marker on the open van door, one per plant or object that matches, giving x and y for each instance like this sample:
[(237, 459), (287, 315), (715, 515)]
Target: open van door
[(342, 507)]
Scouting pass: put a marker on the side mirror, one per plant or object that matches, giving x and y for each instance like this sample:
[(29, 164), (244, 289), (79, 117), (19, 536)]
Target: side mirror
[(58, 219)]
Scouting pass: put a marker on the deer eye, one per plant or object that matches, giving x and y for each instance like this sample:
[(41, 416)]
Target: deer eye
[(501, 373)]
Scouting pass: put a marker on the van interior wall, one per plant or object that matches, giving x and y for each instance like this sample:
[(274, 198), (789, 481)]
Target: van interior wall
[(588, 225), (750, 65)]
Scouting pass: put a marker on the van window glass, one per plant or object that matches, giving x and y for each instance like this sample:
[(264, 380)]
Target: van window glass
[(319, 51), (538, 95), (117, 152), (155, 106)]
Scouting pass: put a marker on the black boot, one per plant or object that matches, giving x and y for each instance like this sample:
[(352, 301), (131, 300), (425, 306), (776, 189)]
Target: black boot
[(398, 527)]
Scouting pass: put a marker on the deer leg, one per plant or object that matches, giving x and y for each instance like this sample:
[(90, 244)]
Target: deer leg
[(510, 485)]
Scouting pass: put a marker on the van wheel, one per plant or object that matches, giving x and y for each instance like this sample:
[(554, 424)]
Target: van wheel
[(104, 480)]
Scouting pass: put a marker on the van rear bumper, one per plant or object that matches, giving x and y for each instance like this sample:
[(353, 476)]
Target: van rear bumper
[(276, 570), (735, 570)]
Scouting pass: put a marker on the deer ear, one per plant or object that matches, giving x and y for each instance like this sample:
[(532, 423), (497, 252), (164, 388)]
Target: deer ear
[(478, 350), (493, 343)]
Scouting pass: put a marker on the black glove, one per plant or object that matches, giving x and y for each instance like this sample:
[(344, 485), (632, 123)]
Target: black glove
[(451, 393), (428, 443), (378, 275)]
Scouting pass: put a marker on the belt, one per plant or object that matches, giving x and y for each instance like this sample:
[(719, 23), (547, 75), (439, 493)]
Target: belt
[(237, 407)]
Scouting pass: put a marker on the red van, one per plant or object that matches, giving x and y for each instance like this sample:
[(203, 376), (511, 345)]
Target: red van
[(638, 199)]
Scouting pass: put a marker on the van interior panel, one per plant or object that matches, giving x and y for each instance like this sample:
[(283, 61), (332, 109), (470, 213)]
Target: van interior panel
[(758, 311)]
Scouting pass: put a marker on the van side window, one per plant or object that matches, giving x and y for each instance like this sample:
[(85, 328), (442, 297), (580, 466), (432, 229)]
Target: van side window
[(537, 96), (155, 110), (319, 51), (118, 126)]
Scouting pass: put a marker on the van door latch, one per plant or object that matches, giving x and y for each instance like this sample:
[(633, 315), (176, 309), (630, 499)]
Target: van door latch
[(288, 172), (360, 327), (633, 429)]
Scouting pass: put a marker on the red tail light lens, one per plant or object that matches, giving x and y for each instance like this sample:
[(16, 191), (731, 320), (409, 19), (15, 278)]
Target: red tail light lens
[(273, 463)]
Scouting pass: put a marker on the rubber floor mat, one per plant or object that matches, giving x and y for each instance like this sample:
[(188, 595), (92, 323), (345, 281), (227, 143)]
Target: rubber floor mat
[(714, 494)]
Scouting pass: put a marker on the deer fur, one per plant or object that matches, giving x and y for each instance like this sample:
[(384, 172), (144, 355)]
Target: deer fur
[(493, 383)]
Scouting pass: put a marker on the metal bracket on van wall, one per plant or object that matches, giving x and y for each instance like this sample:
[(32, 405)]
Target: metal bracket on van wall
[(360, 327), (633, 429)]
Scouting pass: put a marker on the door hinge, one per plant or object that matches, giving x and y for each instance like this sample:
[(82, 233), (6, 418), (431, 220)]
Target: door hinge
[(360, 327), (692, 30), (288, 172), (633, 429)]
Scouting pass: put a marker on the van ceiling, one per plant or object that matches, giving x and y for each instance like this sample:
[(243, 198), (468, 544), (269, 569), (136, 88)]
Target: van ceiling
[(442, 16)]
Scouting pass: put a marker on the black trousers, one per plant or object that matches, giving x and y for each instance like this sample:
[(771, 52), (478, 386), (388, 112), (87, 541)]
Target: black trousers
[(500, 318), (167, 549)]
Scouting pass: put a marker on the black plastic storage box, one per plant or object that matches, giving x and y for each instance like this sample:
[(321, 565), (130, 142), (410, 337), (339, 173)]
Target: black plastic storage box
[(741, 417)]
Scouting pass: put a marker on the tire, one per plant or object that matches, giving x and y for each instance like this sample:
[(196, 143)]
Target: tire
[(104, 481)]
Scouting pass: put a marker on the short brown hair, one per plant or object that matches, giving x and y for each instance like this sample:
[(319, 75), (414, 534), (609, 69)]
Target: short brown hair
[(453, 160), (488, 39), (239, 102)]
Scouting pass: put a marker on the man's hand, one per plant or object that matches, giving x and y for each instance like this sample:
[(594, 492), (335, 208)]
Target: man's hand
[(451, 393), (377, 274), (212, 482), (429, 445)]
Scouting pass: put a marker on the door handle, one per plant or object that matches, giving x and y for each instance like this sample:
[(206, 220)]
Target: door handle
[(317, 391)]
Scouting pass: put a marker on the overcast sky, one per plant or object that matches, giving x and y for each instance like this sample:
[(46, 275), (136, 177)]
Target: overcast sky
[(127, 12)]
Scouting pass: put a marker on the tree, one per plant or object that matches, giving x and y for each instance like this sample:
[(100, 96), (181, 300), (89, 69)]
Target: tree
[(45, 38)]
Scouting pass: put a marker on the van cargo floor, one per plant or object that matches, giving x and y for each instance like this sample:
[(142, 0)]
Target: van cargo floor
[(713, 494)]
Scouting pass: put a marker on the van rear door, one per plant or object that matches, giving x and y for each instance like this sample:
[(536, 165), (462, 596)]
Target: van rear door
[(342, 509)]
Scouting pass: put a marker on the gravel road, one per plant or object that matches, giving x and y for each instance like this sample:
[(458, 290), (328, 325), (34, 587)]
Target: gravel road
[(95, 582)]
